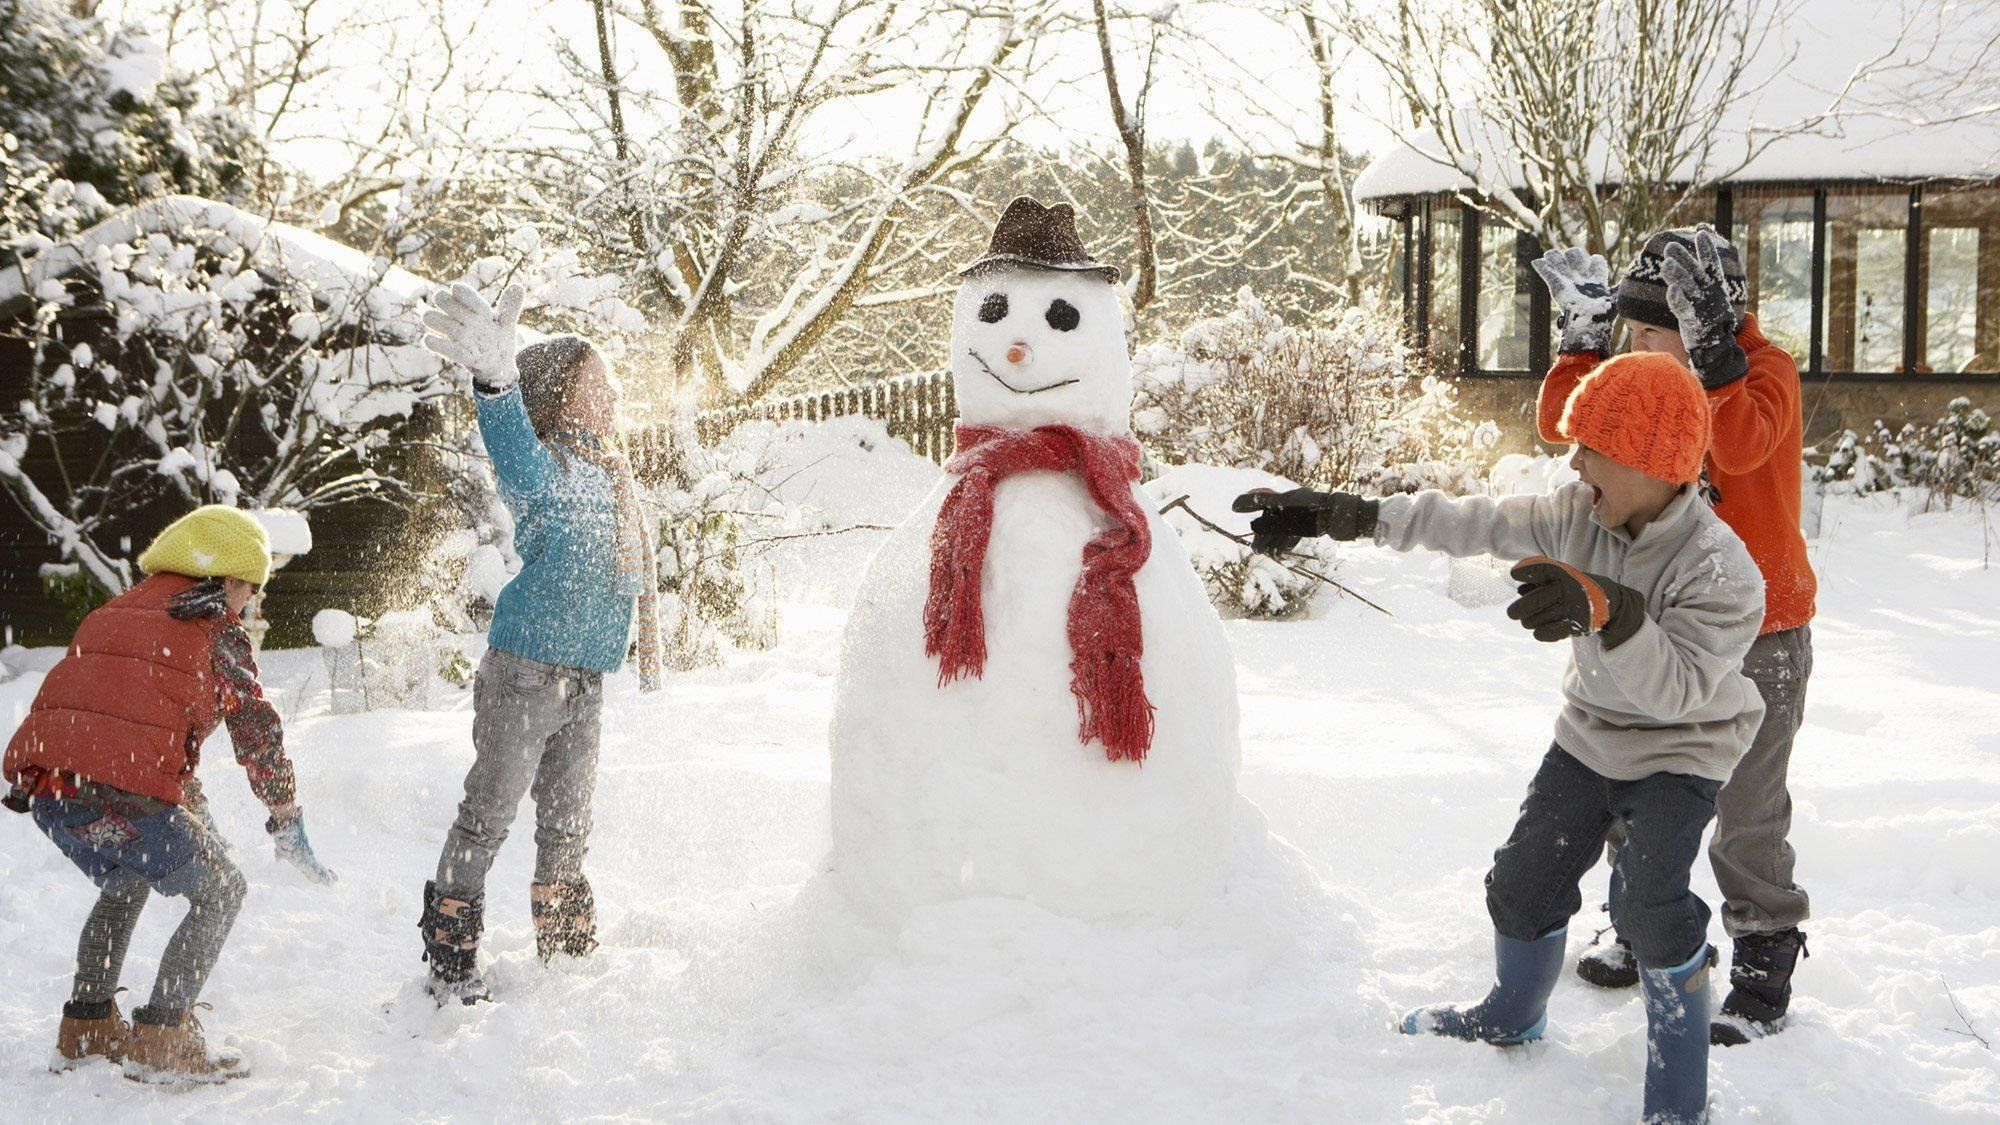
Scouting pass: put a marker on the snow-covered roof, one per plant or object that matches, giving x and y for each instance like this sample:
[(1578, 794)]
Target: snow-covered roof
[(273, 248), (1919, 107)]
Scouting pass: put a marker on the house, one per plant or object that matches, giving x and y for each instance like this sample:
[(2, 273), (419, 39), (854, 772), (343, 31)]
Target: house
[(1871, 240)]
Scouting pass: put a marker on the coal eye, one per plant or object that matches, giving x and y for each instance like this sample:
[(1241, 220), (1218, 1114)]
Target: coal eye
[(1062, 316), (993, 309)]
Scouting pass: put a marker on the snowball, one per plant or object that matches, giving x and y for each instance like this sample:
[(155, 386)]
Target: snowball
[(334, 628), (289, 532)]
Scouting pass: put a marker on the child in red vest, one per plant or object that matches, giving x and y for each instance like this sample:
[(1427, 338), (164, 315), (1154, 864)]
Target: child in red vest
[(105, 762)]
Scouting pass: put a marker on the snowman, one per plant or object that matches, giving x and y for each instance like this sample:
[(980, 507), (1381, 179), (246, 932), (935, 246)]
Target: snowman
[(1035, 698)]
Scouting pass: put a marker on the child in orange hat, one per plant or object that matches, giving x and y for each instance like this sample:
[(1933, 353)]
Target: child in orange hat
[(1659, 600)]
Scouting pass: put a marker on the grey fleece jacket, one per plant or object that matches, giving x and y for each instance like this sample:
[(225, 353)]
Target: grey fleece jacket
[(1673, 697)]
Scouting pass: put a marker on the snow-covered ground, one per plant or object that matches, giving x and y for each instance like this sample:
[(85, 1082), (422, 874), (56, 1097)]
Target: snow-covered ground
[(1391, 752)]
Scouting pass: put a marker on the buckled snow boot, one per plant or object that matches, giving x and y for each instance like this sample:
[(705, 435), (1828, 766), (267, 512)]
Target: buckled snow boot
[(451, 928), (1516, 1010), (1609, 964), (170, 1048), (91, 1030), (1760, 987), (565, 918), (1677, 1011)]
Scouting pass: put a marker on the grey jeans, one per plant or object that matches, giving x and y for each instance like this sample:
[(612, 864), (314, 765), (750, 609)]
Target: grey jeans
[(1752, 859), (534, 728)]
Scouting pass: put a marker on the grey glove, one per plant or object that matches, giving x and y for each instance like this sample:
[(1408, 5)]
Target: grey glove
[(289, 838), (475, 335), (1699, 299), (1580, 284)]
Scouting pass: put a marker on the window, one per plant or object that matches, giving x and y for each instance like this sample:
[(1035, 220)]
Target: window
[(1958, 281), (1447, 244), (1774, 233), (1867, 239), (1504, 281)]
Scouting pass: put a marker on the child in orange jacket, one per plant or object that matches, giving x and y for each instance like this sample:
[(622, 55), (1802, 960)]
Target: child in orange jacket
[(1686, 295)]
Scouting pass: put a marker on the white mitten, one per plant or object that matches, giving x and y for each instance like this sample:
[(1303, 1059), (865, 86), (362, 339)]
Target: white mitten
[(465, 330)]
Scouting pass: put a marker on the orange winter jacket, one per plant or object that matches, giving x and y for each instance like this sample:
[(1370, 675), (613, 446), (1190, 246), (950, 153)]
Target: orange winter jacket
[(131, 698), (1754, 463)]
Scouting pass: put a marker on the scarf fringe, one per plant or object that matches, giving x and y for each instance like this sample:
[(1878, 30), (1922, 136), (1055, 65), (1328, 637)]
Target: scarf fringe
[(1112, 706)]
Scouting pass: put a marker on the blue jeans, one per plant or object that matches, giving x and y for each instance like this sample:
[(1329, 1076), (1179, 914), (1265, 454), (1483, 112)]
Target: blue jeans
[(1532, 888), (165, 850), (169, 851)]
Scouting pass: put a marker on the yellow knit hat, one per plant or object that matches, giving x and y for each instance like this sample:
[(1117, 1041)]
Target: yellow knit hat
[(213, 541)]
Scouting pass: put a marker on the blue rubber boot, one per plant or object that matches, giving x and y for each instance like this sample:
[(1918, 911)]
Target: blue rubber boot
[(1516, 1010), (1677, 1013)]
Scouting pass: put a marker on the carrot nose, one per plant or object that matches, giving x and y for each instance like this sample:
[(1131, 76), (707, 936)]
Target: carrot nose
[(1019, 353)]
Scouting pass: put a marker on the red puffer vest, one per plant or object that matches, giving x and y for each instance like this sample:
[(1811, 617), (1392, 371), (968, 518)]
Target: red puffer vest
[(133, 696)]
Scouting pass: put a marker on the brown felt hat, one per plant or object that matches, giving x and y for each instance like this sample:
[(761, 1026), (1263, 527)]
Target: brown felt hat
[(1042, 238)]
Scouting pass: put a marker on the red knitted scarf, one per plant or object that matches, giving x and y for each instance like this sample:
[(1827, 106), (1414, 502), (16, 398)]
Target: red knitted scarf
[(1104, 629)]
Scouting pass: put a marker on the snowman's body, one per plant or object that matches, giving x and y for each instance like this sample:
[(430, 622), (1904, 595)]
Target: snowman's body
[(982, 786)]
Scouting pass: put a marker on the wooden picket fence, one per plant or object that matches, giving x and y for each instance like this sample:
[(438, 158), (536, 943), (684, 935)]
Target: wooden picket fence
[(919, 409)]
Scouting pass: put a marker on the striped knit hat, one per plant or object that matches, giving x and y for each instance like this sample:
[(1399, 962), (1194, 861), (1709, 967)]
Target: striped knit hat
[(1645, 410), (1642, 292)]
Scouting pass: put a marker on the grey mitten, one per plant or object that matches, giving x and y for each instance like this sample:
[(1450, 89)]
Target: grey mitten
[(475, 335), (1698, 295), (1580, 284)]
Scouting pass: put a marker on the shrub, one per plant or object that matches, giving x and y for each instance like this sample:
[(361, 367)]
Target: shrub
[(1340, 405), (1956, 457)]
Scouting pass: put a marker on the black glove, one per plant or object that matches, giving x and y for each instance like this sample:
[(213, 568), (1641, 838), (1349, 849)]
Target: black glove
[(1699, 298), (1558, 602), (1291, 516)]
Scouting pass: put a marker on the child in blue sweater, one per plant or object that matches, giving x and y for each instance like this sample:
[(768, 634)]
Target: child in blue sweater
[(548, 416)]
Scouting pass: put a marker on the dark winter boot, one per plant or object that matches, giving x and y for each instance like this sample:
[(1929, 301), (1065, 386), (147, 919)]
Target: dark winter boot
[(1760, 987), (1677, 1011), (1516, 1010), (565, 918), (91, 1030), (451, 929), (1609, 964)]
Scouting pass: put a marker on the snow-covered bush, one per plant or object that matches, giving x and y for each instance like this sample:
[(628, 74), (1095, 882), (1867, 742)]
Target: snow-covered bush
[(95, 117), (1240, 582), (1335, 405), (1956, 457), (185, 352)]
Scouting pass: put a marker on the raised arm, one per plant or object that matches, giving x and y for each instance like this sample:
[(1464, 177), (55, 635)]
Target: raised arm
[(481, 338)]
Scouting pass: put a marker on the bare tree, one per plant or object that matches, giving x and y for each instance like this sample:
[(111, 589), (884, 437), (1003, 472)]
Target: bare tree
[(1131, 126), (699, 162), (1586, 122)]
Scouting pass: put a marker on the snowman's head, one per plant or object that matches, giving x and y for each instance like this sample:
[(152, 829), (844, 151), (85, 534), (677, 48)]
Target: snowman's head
[(1037, 336)]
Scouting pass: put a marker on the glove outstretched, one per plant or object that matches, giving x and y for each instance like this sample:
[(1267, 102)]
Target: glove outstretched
[(1558, 602), (479, 337), (1698, 295), (1291, 516), (289, 838), (1580, 285)]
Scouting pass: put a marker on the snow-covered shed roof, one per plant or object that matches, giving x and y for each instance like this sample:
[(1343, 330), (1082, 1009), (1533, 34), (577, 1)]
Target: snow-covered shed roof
[(272, 248), (1919, 106)]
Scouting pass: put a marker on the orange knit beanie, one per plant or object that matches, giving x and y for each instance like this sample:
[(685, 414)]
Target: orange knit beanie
[(1645, 410)]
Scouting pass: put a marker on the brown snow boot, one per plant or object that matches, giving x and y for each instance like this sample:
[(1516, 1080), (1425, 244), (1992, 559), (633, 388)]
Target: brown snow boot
[(89, 1030), (174, 1051), (565, 918)]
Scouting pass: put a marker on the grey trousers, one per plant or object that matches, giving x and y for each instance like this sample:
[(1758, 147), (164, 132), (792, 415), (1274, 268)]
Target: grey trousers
[(534, 729), (1753, 861)]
